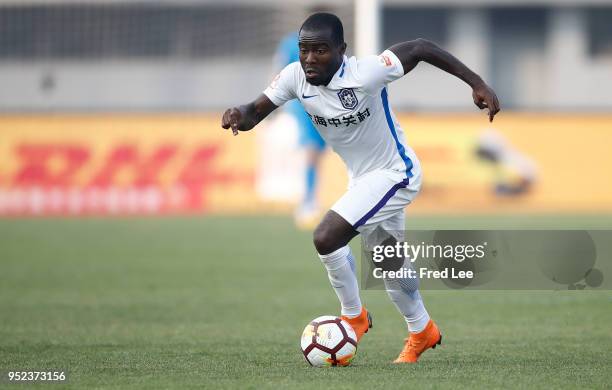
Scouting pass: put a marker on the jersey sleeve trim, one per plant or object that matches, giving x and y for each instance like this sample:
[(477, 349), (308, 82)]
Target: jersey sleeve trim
[(277, 102), (283, 86), (398, 68)]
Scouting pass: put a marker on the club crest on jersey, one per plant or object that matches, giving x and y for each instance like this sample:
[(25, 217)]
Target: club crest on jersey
[(348, 98)]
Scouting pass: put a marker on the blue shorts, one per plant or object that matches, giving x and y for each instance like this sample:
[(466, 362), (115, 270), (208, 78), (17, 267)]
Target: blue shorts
[(309, 136)]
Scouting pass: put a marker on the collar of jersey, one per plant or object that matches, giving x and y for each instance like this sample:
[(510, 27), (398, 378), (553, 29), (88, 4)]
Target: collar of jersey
[(340, 73)]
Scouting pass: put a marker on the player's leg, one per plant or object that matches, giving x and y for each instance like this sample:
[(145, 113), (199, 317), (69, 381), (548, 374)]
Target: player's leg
[(310, 139), (332, 233), (366, 195), (423, 333), (331, 238), (316, 147), (311, 178), (404, 292)]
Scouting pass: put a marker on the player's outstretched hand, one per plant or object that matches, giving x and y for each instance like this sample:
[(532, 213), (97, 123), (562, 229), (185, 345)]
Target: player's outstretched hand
[(484, 97), (232, 117)]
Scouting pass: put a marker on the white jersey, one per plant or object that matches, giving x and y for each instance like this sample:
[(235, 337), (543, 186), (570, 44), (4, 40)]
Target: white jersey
[(352, 112)]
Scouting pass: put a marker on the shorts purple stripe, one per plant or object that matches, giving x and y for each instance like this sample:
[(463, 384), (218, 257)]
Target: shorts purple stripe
[(381, 203)]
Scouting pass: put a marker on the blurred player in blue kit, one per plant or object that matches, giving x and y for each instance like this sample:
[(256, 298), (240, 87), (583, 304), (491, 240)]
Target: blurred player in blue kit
[(308, 211), (347, 101)]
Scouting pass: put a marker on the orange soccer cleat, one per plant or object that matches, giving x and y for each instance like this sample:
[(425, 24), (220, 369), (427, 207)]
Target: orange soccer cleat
[(417, 343), (361, 323)]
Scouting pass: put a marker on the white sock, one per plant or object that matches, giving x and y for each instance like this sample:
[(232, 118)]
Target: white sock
[(340, 266), (405, 295)]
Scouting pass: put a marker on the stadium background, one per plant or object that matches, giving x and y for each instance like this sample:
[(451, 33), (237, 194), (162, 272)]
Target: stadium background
[(110, 114), (113, 108)]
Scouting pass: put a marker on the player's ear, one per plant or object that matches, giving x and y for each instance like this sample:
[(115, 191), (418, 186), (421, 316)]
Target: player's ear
[(343, 48)]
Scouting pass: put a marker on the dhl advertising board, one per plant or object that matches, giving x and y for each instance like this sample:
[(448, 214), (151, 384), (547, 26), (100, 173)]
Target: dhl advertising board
[(122, 165), (177, 164)]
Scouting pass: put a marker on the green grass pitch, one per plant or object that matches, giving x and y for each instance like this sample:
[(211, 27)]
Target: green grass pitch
[(221, 302)]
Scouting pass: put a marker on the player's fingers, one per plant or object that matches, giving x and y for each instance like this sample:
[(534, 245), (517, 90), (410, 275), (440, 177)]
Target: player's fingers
[(491, 107), (497, 105), (492, 114), (494, 107), (225, 120), (480, 103), (234, 122)]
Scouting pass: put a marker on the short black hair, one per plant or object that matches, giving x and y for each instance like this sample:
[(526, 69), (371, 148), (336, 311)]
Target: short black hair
[(325, 20)]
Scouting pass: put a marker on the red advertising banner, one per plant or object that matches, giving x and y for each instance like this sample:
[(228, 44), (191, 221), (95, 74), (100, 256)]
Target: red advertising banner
[(116, 165)]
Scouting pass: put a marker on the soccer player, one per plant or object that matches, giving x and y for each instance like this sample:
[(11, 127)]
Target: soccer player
[(308, 211), (347, 101)]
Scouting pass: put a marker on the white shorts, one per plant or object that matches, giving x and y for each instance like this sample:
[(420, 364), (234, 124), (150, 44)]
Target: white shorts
[(378, 198)]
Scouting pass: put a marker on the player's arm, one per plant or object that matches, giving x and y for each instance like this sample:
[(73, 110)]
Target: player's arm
[(247, 116), (410, 53)]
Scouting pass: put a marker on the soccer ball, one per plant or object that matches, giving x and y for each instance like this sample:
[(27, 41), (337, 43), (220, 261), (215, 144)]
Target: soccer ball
[(329, 341)]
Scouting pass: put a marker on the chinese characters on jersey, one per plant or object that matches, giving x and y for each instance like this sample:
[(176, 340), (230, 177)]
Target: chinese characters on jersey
[(345, 120)]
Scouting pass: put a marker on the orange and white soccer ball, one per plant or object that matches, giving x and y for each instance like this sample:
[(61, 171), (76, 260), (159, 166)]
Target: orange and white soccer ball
[(329, 341)]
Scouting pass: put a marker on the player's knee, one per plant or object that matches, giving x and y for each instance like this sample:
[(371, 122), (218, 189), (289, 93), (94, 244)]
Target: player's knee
[(324, 240), (332, 233)]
